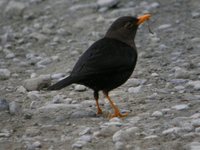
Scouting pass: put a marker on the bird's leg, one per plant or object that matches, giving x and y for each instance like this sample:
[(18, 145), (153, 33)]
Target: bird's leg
[(96, 96), (116, 110)]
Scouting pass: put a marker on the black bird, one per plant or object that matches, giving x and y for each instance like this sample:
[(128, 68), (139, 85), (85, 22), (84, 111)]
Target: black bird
[(109, 62)]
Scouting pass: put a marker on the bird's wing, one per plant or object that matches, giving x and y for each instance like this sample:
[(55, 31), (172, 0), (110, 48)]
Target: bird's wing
[(104, 56)]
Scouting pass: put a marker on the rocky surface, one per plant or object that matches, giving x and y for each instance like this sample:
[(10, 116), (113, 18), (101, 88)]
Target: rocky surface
[(42, 39)]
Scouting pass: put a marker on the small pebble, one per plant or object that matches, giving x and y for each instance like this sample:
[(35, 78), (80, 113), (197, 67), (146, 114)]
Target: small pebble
[(181, 107), (38, 83), (107, 3), (14, 9), (3, 104), (157, 114), (196, 122), (194, 84), (4, 74), (79, 88), (78, 144), (14, 108), (57, 76), (124, 135), (164, 26), (181, 73), (151, 137), (120, 146), (85, 131), (171, 130), (154, 74), (85, 138), (134, 90), (195, 15), (33, 95), (21, 89)]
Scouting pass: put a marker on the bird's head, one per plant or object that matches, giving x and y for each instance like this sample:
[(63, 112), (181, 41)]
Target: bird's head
[(124, 28)]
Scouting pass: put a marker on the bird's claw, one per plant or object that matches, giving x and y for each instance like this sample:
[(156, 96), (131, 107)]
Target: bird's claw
[(119, 115), (99, 112)]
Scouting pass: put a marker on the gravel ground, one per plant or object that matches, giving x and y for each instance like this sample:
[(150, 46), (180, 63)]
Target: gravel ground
[(42, 39)]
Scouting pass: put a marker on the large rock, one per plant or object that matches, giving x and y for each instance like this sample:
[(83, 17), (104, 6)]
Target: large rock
[(14, 9), (37, 83)]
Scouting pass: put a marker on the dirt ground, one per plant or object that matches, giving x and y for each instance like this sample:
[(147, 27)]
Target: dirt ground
[(46, 37)]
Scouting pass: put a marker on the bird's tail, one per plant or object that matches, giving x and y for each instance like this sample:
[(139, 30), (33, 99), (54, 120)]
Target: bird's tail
[(61, 84)]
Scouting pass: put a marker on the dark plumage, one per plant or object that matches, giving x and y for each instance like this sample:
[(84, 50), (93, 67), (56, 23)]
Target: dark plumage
[(109, 62)]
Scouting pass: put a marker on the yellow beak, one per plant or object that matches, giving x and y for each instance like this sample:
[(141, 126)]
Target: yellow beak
[(143, 18)]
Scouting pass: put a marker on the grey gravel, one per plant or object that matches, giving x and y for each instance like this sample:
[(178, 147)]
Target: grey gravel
[(46, 37)]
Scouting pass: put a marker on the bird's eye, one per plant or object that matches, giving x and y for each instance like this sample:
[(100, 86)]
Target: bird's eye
[(128, 25)]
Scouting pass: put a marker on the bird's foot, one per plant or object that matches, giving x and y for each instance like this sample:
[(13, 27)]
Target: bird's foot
[(117, 114), (99, 112)]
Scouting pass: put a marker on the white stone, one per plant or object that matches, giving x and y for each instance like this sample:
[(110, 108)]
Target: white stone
[(195, 84), (33, 95), (157, 114), (195, 116), (4, 74), (134, 89), (196, 122), (179, 87), (83, 6), (154, 74), (41, 38), (37, 144), (125, 134), (181, 73), (151, 137), (195, 14), (79, 144), (197, 130), (44, 61), (79, 88), (85, 131), (171, 130), (107, 3), (195, 146), (120, 146), (14, 108), (180, 107), (10, 55), (57, 99), (38, 83), (14, 9), (134, 120), (164, 26), (85, 138), (57, 75), (154, 5), (21, 89)]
